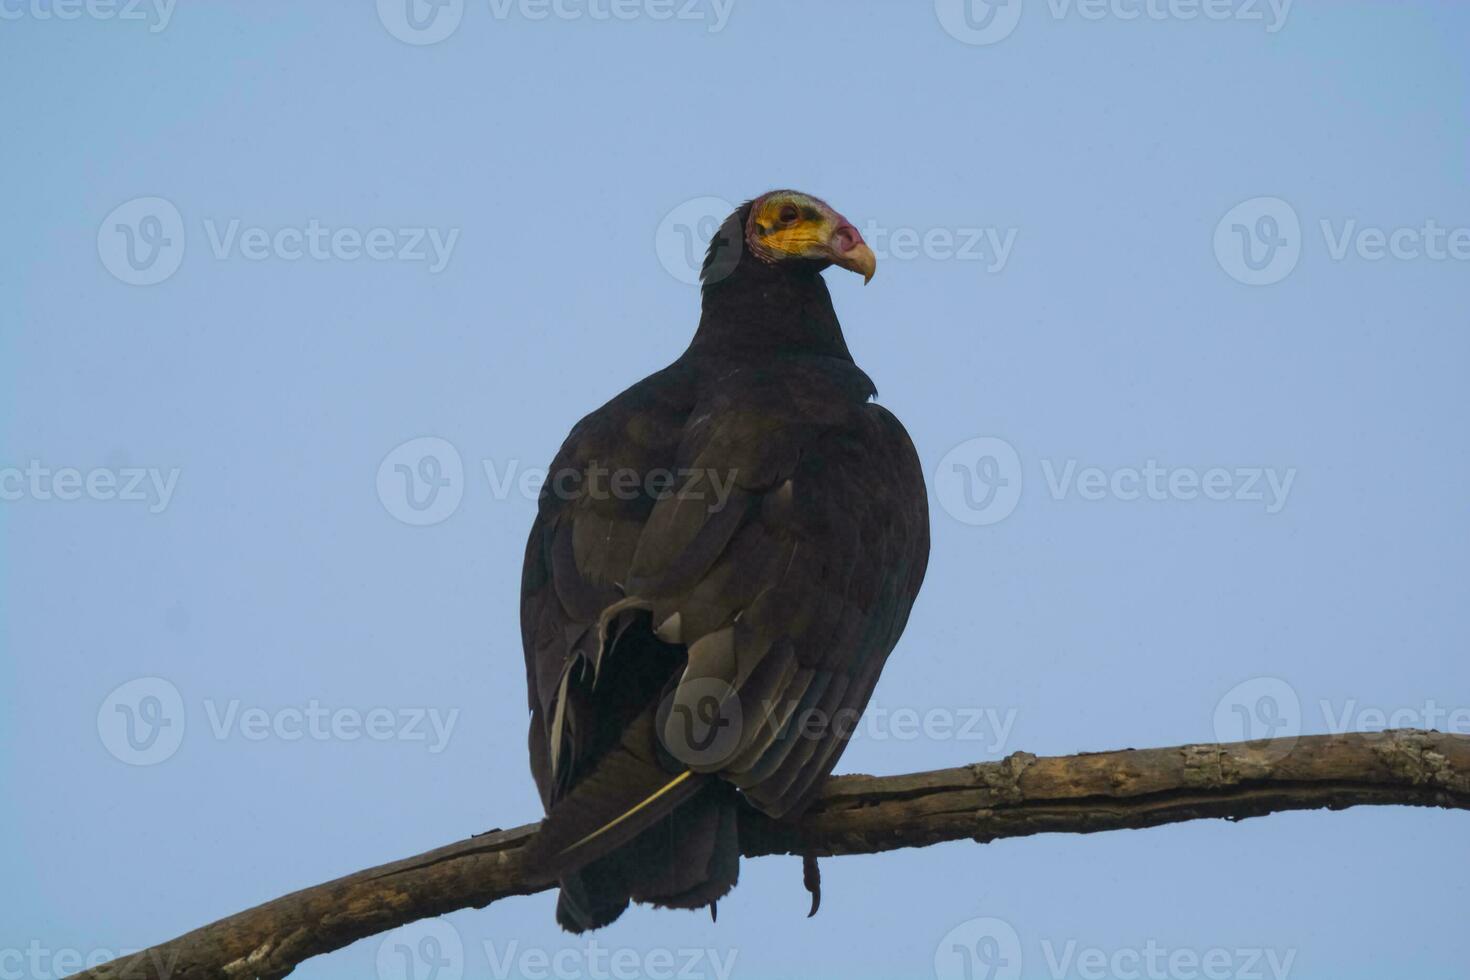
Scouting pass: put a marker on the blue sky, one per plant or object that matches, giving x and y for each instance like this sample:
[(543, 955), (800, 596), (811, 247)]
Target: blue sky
[(1173, 306)]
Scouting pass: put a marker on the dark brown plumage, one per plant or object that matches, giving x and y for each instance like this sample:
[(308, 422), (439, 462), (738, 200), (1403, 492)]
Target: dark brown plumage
[(723, 558)]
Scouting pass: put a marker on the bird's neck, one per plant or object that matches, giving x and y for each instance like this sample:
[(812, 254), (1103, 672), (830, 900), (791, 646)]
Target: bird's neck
[(761, 311)]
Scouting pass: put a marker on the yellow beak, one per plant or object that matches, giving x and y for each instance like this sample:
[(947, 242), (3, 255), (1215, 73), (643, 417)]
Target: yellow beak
[(859, 258)]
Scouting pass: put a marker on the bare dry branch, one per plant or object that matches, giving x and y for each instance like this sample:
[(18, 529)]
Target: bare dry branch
[(1016, 797)]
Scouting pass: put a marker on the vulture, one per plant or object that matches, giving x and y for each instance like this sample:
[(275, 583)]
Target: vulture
[(722, 558)]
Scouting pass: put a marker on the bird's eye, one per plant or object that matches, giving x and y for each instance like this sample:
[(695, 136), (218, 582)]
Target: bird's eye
[(789, 213)]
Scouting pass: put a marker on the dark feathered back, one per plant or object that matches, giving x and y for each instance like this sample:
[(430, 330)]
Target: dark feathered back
[(757, 592)]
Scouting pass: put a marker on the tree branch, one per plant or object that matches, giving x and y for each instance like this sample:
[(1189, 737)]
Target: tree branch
[(1016, 797)]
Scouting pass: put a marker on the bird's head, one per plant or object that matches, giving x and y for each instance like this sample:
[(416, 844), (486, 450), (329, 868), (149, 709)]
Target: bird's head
[(789, 229)]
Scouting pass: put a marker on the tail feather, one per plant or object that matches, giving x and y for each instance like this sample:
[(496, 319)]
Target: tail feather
[(630, 823), (591, 898), (692, 857), (688, 859), (604, 812), (625, 793)]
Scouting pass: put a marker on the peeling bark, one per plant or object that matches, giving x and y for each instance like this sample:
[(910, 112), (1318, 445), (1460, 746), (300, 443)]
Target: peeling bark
[(1016, 797)]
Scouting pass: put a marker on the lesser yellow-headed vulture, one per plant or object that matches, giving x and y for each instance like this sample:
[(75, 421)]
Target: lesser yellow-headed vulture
[(723, 557)]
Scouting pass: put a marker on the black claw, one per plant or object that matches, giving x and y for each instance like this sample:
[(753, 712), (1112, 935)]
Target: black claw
[(811, 877), (714, 911)]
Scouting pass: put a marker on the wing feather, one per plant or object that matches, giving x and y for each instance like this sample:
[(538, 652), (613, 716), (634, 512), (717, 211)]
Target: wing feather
[(790, 548)]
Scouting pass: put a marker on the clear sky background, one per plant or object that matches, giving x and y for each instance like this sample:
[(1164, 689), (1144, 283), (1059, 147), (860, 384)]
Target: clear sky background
[(562, 162)]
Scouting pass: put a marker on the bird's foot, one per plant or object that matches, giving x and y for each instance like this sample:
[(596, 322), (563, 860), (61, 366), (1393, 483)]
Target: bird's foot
[(811, 877)]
